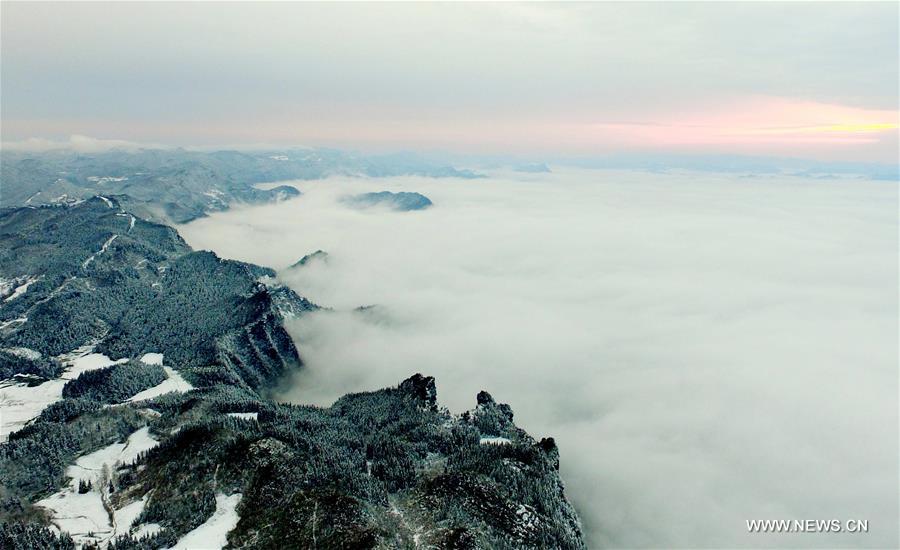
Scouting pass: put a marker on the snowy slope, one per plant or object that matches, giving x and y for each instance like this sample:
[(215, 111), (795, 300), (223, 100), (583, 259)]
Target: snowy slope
[(174, 383), (213, 533)]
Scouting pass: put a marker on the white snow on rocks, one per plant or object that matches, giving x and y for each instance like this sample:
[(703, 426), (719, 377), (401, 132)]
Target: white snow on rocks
[(494, 440), (20, 403), (527, 520), (245, 416), (107, 201), (89, 517), (213, 533)]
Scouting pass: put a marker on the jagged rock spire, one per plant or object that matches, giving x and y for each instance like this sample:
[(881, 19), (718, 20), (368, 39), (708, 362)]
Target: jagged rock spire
[(422, 388)]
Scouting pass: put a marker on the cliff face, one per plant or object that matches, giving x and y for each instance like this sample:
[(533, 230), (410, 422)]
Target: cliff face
[(165, 433)]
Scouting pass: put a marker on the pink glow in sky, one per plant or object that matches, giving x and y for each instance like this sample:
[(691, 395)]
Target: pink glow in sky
[(807, 79), (761, 124), (755, 125)]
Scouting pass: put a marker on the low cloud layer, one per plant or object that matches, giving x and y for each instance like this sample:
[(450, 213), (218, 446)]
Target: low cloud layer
[(706, 349)]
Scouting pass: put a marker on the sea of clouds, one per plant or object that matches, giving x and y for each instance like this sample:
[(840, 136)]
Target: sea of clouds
[(706, 349)]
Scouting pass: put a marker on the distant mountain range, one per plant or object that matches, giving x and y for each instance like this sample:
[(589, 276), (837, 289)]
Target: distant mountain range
[(176, 185)]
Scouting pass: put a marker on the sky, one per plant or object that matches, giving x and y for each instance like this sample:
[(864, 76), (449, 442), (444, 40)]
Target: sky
[(814, 80), (705, 348)]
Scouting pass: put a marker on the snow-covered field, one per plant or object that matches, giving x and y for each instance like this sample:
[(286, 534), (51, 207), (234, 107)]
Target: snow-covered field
[(20, 403), (90, 466), (83, 516), (213, 533), (88, 517)]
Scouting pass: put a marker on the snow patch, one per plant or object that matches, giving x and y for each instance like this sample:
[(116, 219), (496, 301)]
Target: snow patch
[(106, 179), (5, 324), (174, 383), (146, 530), (107, 201), (102, 248), (245, 416), (124, 517), (213, 533), (21, 289), (152, 359), (494, 440), (215, 194)]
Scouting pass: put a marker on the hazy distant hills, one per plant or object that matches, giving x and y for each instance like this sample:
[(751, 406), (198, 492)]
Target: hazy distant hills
[(317, 256), (533, 168), (179, 185), (403, 201)]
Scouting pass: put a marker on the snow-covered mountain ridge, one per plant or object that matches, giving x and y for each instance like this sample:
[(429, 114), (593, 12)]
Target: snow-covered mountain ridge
[(142, 379)]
